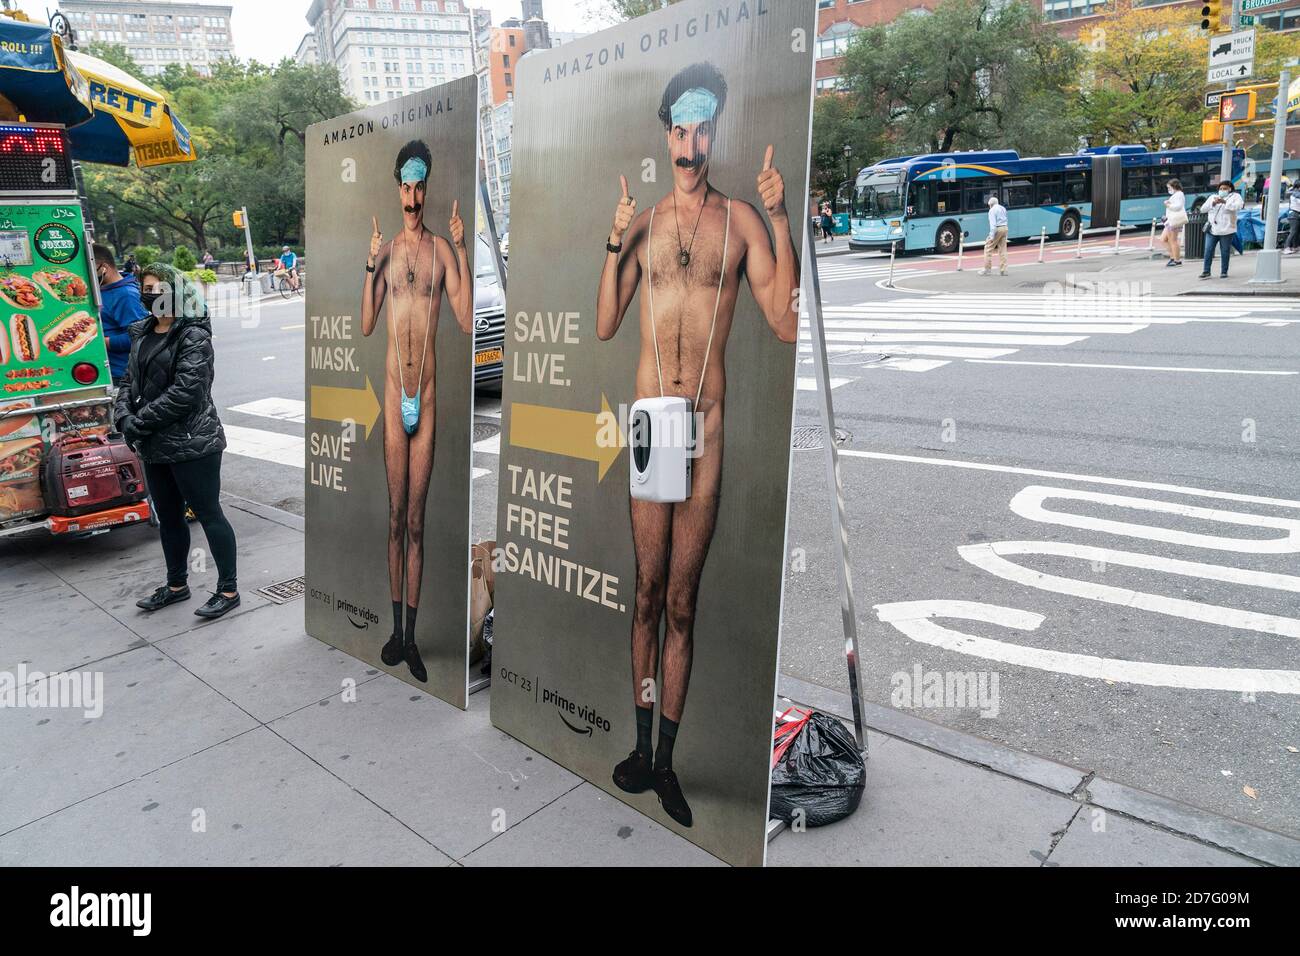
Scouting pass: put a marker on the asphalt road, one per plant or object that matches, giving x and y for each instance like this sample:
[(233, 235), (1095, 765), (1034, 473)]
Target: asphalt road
[(1136, 442), (1170, 522)]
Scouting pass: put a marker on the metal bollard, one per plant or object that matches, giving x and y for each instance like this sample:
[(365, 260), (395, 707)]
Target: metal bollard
[(1078, 244), (1042, 241), (961, 245), (1151, 242), (1117, 225), (890, 282)]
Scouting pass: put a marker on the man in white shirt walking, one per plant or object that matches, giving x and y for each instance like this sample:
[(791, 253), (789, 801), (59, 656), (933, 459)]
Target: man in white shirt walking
[(1293, 237), (997, 237)]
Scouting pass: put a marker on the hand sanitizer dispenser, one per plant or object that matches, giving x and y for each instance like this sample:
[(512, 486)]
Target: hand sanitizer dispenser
[(661, 438)]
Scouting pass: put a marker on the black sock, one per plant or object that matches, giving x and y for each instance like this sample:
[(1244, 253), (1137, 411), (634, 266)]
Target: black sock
[(410, 625), (397, 619), (667, 737), (645, 720)]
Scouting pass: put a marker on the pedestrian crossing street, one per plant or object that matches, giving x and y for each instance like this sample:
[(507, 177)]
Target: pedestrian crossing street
[(923, 333)]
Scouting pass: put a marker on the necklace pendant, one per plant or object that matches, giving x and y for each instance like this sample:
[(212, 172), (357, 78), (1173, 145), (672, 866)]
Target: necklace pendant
[(684, 258), (410, 277)]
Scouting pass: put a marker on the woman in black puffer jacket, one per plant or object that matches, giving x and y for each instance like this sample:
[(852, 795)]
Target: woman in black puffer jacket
[(165, 410)]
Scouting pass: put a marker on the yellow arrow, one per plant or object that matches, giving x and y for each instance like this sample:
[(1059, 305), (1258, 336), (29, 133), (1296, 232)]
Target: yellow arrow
[(586, 436), (346, 404)]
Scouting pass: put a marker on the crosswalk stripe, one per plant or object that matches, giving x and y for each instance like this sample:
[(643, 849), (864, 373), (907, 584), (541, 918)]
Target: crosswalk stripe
[(281, 409), (265, 446), (948, 351), (940, 325)]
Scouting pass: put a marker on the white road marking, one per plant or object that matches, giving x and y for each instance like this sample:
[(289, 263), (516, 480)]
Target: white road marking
[(268, 358), (909, 365), (281, 409), (265, 446), (1028, 504), (479, 473), (1068, 476), (290, 328), (1139, 368), (840, 326), (990, 558), (489, 446), (948, 351), (809, 383), (996, 338), (915, 620)]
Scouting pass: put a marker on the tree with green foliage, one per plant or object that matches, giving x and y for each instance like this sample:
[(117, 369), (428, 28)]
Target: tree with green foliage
[(249, 122), (837, 122), (969, 74)]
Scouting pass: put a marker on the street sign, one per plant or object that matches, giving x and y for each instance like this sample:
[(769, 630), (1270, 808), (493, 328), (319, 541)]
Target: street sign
[(1257, 4), (1229, 48), (1237, 107), (1232, 71), (1212, 100)]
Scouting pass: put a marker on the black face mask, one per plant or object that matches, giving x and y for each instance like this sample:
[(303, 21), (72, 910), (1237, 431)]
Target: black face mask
[(147, 299)]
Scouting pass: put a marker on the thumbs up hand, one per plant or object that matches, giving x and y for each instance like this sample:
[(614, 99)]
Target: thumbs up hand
[(771, 187), (376, 240), (623, 214), (456, 226)]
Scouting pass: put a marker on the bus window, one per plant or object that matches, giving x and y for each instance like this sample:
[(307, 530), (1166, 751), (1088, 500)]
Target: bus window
[(1078, 187), (1018, 193), (1160, 177), (1137, 182), (922, 199), (1196, 180), (947, 197), (1051, 189), (976, 192)]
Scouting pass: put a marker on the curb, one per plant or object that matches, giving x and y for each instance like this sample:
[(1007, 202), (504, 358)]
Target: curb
[(1245, 839), (277, 515)]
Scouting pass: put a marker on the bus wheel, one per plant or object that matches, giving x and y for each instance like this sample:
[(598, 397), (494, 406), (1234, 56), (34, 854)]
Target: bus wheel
[(1069, 226), (946, 239)]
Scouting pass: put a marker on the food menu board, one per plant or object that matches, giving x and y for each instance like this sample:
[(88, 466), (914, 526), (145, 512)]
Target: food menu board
[(49, 322)]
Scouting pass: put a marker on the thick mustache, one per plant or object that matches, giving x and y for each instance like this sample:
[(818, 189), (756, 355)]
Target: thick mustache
[(416, 208), (686, 163)]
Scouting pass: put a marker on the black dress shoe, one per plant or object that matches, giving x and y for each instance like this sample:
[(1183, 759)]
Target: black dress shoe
[(217, 605), (415, 664), (633, 774), (393, 652), (162, 597), (670, 796)]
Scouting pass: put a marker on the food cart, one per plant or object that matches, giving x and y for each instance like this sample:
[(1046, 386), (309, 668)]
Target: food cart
[(57, 106)]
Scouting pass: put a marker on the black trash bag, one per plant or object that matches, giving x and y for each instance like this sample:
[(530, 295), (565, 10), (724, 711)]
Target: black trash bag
[(820, 776)]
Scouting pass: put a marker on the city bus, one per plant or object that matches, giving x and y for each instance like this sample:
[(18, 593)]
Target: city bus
[(931, 202)]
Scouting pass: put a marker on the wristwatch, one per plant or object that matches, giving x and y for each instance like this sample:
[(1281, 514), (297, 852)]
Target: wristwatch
[(370, 268), (616, 249)]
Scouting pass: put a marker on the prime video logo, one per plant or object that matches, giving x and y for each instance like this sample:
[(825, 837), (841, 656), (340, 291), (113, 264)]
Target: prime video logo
[(82, 690), (74, 908)]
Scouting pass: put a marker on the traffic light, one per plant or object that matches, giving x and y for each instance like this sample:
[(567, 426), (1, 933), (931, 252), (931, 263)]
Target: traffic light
[(237, 217), (1211, 15), (1237, 107), (1211, 131)]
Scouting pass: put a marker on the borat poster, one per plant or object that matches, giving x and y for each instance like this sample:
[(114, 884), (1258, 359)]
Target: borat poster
[(660, 183), (390, 336)]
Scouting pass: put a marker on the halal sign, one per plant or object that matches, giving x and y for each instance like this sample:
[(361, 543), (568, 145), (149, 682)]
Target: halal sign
[(57, 243)]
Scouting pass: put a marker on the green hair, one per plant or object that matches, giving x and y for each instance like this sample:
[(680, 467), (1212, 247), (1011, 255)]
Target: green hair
[(186, 295)]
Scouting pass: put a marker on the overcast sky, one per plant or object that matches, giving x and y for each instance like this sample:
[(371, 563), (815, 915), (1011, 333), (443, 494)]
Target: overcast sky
[(268, 31)]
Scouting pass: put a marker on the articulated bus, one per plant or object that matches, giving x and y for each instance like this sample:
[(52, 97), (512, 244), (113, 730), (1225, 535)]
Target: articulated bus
[(932, 202)]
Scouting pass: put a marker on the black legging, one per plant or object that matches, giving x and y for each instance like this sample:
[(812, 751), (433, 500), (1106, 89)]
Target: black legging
[(1293, 237), (197, 483)]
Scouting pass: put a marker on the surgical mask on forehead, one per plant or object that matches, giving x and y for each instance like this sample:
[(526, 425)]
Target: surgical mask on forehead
[(696, 105), (414, 170)]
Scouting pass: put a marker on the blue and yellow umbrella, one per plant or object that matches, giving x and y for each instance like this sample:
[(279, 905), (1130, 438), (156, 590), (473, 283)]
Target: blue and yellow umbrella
[(110, 115)]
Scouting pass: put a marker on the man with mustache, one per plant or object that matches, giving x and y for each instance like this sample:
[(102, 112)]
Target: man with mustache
[(410, 273), (692, 247)]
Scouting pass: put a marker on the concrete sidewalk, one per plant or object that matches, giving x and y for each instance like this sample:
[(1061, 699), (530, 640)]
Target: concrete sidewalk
[(231, 743), (1141, 271)]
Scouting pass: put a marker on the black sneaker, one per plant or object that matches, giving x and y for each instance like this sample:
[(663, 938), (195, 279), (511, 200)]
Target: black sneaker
[(670, 796), (162, 597), (1203, 275), (217, 605), (416, 665), (633, 774), (392, 651)]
